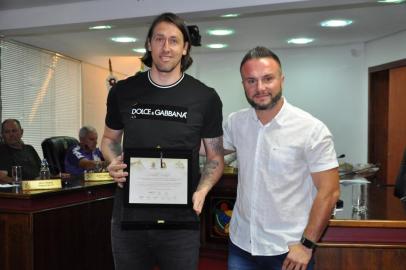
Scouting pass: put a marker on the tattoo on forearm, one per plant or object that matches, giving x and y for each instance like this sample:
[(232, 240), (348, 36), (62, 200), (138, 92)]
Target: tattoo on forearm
[(216, 144), (206, 179), (209, 168), (115, 148)]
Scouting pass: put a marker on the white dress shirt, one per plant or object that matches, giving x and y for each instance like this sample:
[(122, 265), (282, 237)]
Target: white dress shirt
[(275, 190)]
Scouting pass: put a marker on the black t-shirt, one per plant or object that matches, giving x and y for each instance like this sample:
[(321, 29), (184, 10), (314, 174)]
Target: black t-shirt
[(174, 117), (26, 157)]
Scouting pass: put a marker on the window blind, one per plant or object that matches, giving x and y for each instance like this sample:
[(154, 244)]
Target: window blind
[(42, 90)]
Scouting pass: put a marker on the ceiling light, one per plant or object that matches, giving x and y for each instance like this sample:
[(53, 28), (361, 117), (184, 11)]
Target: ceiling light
[(231, 15), (139, 50), (391, 1), (217, 46), (100, 27), (335, 23), (220, 32), (124, 39), (300, 40)]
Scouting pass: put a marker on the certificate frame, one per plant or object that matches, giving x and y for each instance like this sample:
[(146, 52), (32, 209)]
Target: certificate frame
[(161, 154)]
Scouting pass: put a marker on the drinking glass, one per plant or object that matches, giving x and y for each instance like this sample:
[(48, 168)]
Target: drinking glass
[(359, 197), (17, 174)]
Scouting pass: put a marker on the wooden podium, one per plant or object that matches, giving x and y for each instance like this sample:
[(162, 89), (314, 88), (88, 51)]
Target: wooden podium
[(66, 228)]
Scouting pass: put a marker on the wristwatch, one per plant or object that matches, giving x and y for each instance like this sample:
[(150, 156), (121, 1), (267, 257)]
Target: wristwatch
[(308, 243)]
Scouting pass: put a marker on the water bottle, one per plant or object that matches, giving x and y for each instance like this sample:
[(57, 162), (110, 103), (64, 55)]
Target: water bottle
[(44, 171)]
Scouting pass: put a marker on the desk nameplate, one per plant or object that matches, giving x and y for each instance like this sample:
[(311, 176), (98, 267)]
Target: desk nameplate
[(41, 184), (103, 176)]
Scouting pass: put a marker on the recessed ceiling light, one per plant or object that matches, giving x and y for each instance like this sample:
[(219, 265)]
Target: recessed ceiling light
[(231, 15), (217, 46), (391, 1), (220, 32), (100, 27), (124, 39), (300, 40), (335, 23), (139, 50)]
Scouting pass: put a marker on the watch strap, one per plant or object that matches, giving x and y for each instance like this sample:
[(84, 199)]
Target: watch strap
[(308, 243)]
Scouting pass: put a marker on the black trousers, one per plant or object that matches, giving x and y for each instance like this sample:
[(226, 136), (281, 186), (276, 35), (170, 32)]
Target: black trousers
[(143, 249)]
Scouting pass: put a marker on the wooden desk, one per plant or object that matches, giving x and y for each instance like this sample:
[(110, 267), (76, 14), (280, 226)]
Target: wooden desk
[(373, 240), (352, 241), (60, 229)]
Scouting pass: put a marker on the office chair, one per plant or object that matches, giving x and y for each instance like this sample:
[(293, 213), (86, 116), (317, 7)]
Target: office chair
[(400, 186), (54, 150)]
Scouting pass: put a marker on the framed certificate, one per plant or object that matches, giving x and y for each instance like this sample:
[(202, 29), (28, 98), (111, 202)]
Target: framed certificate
[(158, 177)]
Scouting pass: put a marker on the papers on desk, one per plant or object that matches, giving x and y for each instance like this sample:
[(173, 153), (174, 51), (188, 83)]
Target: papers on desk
[(359, 180), (7, 185)]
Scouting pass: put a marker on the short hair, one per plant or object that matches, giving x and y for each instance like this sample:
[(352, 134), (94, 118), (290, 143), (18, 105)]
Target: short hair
[(172, 18), (86, 130), (10, 119), (260, 52)]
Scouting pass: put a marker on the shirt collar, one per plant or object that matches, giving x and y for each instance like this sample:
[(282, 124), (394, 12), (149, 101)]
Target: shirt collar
[(164, 86), (282, 115), (279, 118)]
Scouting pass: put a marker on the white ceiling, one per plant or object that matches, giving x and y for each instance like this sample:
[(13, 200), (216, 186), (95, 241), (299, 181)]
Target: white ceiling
[(270, 25)]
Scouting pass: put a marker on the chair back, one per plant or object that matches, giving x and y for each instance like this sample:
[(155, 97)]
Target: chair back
[(54, 150), (400, 186)]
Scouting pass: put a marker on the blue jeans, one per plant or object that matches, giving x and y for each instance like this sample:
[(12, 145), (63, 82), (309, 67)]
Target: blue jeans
[(239, 259)]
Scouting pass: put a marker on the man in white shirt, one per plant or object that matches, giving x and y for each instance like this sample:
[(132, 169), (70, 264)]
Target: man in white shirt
[(288, 181)]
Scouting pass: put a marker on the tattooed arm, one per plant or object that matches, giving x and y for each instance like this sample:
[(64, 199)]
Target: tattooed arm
[(111, 149), (212, 171)]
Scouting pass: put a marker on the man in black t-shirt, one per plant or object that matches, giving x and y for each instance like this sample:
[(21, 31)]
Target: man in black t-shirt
[(162, 107), (14, 152)]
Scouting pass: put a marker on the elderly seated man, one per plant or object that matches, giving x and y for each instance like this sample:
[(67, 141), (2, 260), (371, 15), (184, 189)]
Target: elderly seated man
[(85, 156), (13, 151)]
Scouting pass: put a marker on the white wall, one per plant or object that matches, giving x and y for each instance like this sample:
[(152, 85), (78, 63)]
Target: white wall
[(329, 82), (94, 96), (325, 81), (386, 50)]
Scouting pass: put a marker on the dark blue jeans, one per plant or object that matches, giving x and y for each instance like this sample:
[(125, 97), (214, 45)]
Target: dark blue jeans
[(239, 259), (143, 249)]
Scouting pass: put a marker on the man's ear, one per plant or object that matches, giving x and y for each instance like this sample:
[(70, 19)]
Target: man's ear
[(185, 48)]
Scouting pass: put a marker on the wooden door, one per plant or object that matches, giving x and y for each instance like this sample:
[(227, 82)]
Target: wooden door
[(378, 122), (387, 119), (396, 121)]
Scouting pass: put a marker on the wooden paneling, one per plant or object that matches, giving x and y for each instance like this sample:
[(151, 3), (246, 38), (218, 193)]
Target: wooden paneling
[(15, 241), (360, 258), (378, 122), (397, 121)]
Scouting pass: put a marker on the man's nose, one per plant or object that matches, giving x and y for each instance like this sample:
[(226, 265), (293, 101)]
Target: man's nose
[(261, 86), (166, 45)]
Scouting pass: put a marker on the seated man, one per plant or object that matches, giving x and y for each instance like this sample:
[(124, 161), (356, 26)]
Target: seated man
[(13, 152), (85, 156)]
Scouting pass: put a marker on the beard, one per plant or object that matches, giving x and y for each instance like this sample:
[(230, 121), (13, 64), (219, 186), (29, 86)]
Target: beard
[(262, 107), (167, 67)]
